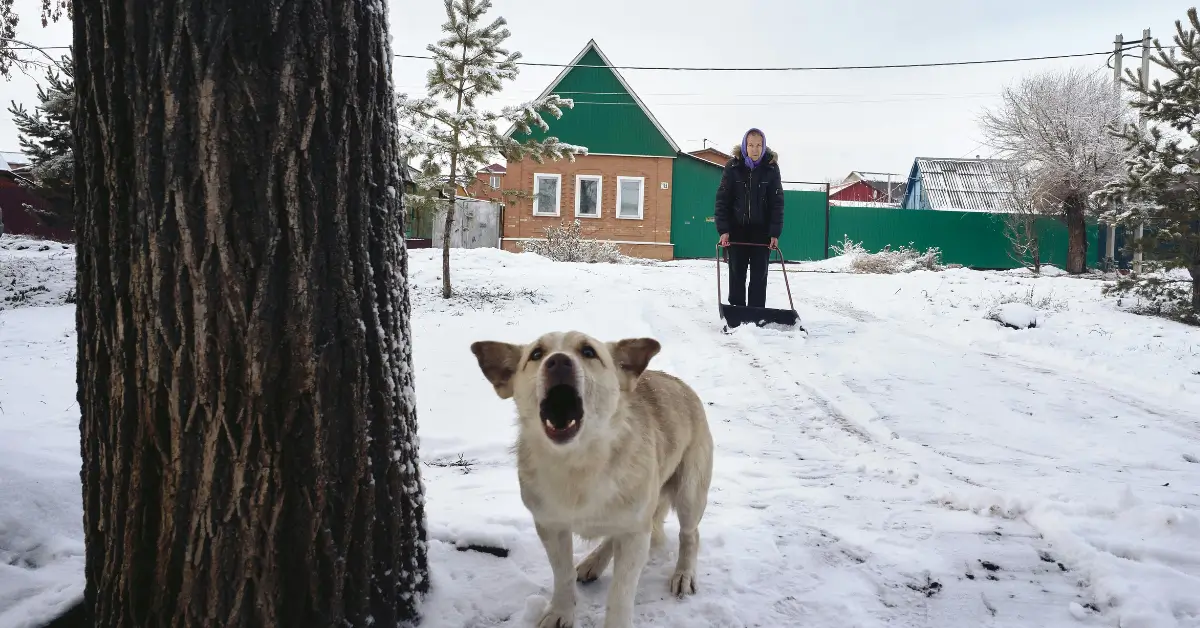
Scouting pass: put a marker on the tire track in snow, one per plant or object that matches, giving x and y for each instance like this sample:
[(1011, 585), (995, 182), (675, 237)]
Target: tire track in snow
[(1124, 391), (782, 387), (857, 417), (917, 341)]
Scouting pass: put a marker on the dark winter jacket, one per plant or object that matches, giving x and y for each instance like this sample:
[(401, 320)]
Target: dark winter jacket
[(749, 203)]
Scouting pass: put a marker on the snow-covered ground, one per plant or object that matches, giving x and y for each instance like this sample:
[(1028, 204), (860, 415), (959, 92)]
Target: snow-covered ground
[(912, 461)]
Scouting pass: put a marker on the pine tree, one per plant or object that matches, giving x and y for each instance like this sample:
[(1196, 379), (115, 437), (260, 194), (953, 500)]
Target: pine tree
[(11, 48), (449, 134), (1161, 187), (46, 138)]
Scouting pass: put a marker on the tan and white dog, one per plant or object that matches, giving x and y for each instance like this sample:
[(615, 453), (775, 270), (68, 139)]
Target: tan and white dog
[(605, 449)]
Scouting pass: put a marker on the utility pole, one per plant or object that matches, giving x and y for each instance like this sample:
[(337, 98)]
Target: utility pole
[(1110, 243), (1137, 254)]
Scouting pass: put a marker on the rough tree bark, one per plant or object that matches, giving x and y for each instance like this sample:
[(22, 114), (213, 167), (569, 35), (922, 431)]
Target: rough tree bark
[(244, 366), (1194, 271), (1074, 208)]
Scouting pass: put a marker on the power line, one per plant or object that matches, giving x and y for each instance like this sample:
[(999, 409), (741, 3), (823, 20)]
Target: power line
[(758, 95), (889, 66), (803, 68), (775, 103)]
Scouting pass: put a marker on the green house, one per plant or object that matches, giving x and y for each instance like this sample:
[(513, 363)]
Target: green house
[(635, 187)]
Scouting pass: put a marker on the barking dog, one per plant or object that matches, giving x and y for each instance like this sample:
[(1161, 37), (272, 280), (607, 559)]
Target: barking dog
[(605, 449)]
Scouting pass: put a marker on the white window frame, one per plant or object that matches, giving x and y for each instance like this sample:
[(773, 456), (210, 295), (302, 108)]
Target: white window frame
[(557, 196), (494, 181), (641, 199), (599, 179)]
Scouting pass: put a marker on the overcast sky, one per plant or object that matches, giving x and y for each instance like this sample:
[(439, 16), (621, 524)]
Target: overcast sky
[(823, 123)]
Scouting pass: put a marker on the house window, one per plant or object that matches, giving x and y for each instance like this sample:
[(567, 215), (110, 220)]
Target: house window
[(587, 195), (494, 181), (547, 192), (630, 197)]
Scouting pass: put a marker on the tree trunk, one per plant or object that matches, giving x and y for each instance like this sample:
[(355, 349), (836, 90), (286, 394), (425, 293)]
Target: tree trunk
[(1035, 249), (1074, 206), (1194, 271), (244, 365), (446, 291)]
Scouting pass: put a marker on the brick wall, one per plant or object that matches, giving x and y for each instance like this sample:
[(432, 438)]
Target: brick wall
[(481, 187), (653, 227)]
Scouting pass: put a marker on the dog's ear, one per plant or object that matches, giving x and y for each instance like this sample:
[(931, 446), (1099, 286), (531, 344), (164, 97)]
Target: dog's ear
[(632, 356), (498, 361)]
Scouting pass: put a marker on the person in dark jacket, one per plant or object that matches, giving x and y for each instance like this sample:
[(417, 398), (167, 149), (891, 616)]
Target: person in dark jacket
[(749, 209)]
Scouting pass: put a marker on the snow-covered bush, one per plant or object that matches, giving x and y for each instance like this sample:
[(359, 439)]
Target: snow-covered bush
[(1158, 292), (565, 243), (1015, 316), (1028, 297), (1020, 310), (905, 259)]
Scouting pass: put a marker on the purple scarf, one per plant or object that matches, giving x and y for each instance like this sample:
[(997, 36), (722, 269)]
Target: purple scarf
[(753, 163)]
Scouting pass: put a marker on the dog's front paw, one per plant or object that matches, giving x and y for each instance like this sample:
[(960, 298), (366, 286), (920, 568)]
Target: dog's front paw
[(683, 583), (558, 618)]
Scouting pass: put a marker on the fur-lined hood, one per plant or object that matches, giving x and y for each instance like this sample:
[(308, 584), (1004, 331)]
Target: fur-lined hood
[(771, 157)]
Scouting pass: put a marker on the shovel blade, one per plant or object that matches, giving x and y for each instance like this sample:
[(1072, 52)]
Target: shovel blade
[(737, 315)]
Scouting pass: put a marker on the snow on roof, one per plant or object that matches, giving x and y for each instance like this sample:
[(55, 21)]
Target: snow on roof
[(881, 177), (840, 186), (14, 157), (10, 159), (840, 203), (965, 184), (494, 169)]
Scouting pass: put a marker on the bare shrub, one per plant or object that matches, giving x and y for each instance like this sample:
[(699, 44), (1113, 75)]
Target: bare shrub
[(1044, 303), (904, 259), (565, 243)]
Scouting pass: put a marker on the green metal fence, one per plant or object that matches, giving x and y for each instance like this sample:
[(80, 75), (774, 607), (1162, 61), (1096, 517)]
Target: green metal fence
[(973, 239), (803, 236)]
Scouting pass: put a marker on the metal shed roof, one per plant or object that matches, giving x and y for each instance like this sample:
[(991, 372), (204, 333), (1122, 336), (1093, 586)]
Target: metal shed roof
[(965, 184)]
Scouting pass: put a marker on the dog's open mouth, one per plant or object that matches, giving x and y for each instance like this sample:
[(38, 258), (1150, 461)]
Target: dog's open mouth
[(561, 413)]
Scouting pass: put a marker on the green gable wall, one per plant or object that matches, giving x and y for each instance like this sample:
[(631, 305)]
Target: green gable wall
[(617, 128)]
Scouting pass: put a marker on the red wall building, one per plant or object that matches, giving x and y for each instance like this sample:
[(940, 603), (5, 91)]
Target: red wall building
[(15, 219)]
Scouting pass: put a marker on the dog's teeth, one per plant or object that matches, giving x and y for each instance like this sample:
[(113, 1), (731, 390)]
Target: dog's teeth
[(548, 423), (570, 425)]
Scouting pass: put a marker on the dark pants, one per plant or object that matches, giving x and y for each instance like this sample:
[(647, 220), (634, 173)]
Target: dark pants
[(754, 259)]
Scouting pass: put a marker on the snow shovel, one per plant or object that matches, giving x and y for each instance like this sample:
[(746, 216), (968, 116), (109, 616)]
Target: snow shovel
[(736, 315)]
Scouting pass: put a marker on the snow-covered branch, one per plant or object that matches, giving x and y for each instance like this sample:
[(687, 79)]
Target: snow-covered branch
[(1057, 124)]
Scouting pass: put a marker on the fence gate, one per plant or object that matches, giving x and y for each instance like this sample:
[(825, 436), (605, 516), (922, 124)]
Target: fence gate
[(476, 225)]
